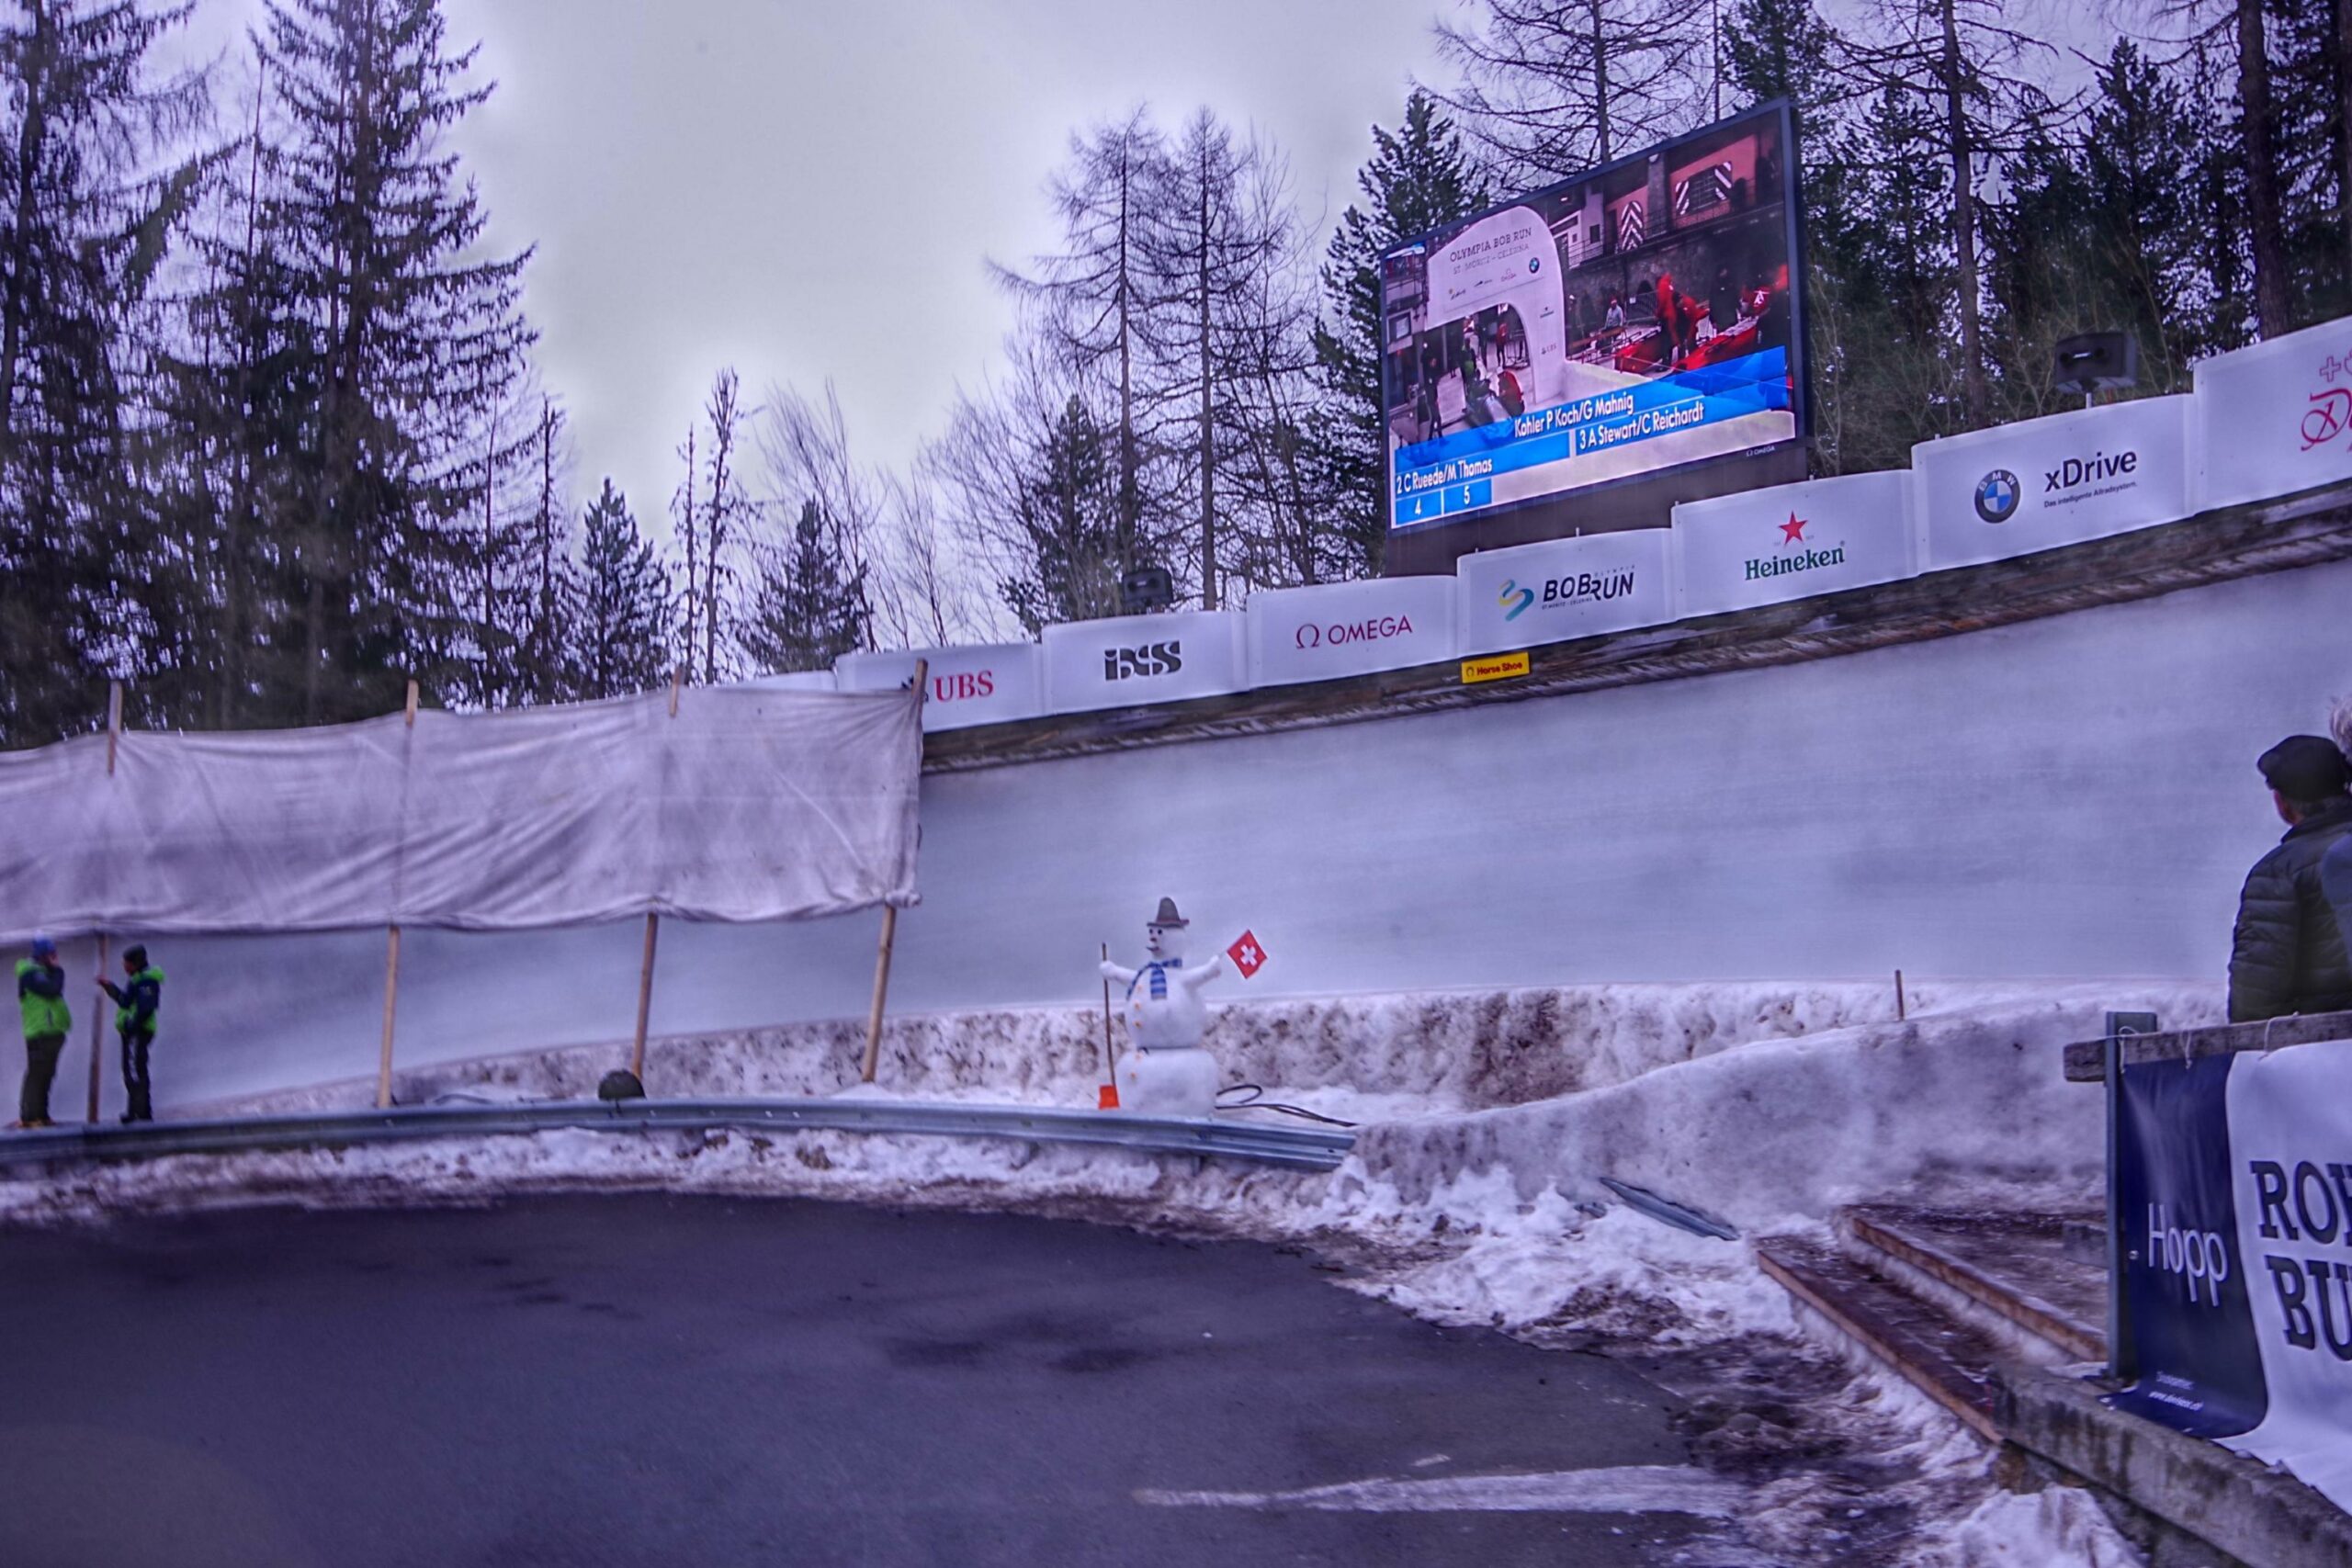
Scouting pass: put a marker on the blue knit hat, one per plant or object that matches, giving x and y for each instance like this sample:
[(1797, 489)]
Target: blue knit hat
[(44, 948)]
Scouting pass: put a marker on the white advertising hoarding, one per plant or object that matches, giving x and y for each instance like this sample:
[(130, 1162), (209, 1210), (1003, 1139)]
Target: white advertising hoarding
[(2045, 482), (2276, 418), (797, 681), (1129, 659), (1349, 628), (1560, 590), (1764, 547), (994, 683)]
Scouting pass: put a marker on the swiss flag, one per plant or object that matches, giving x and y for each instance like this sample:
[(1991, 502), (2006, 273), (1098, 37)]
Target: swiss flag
[(1246, 955)]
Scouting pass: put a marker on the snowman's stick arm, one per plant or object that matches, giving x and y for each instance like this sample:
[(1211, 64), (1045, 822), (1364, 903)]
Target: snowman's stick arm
[(1113, 972), (1196, 978)]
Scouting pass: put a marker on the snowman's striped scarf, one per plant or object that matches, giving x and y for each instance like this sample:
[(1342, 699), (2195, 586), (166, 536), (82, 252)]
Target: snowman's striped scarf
[(1158, 969)]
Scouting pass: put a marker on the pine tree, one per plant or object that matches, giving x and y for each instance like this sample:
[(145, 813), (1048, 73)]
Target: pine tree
[(1784, 48), (237, 390), (88, 205), (2041, 279), (2141, 150), (1967, 60), (420, 343), (1419, 177), (620, 617), (2310, 43), (811, 606), (1888, 379), (1071, 563)]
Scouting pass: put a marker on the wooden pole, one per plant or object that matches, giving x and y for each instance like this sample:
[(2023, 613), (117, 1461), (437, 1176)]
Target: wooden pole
[(98, 1034), (644, 996), (392, 965), (1901, 1009), (1110, 1053), (97, 1010), (653, 936), (881, 990), (889, 922), (392, 1000)]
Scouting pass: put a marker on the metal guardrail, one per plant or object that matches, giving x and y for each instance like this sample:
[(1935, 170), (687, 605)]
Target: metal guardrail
[(1301, 1149), (2086, 1059)]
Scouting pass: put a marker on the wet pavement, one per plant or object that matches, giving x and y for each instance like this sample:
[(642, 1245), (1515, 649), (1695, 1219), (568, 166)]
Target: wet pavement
[(655, 1380)]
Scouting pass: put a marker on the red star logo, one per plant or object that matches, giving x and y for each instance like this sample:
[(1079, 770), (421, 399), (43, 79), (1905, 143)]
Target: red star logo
[(1793, 531)]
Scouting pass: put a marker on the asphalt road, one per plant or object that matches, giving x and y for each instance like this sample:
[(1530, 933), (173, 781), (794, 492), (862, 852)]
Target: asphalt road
[(649, 1380)]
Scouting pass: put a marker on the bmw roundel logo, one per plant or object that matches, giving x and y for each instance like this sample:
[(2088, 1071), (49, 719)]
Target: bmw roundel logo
[(1996, 496), (1535, 264)]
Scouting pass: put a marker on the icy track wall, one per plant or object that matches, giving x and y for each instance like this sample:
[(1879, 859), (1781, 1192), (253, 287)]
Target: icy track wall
[(2072, 798)]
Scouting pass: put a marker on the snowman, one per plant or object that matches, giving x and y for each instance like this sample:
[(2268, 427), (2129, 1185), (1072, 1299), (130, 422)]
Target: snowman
[(1166, 1073)]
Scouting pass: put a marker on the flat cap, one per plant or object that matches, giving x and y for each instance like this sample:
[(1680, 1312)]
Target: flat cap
[(2305, 767)]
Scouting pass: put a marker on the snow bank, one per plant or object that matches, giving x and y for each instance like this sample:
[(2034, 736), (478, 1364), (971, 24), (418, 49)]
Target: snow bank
[(1366, 1057), (1785, 1130)]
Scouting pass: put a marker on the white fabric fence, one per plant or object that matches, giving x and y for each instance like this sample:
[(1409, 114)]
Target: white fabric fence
[(748, 804)]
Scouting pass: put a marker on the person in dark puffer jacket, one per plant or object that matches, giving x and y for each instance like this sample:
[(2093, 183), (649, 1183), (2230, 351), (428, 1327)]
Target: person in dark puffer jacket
[(2289, 954)]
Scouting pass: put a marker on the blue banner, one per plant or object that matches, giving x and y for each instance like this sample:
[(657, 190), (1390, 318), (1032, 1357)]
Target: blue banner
[(1453, 474), (2189, 1321)]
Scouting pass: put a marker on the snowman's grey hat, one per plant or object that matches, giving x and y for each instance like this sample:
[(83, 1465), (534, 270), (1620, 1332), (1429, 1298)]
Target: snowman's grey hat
[(1168, 916)]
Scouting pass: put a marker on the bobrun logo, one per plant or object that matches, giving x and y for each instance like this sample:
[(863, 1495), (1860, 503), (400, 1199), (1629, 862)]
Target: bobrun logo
[(1157, 658), (1588, 588)]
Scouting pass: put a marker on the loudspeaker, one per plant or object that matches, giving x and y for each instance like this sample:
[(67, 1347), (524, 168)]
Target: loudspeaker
[(1147, 588), (2092, 362)]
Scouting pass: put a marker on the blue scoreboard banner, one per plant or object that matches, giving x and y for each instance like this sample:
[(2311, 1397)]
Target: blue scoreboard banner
[(1458, 473)]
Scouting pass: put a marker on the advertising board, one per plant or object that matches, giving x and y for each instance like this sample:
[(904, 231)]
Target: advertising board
[(1349, 628), (2056, 480), (1560, 591), (2275, 417), (797, 681), (1791, 541), (1639, 318), (994, 683), (2236, 1210), (1129, 659)]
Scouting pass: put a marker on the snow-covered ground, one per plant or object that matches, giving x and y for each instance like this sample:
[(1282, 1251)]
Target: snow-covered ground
[(1473, 1195)]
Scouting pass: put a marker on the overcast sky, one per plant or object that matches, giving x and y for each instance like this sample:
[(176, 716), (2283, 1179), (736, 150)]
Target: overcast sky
[(807, 190)]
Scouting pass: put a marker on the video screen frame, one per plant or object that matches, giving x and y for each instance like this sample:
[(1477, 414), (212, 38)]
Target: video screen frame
[(1720, 185)]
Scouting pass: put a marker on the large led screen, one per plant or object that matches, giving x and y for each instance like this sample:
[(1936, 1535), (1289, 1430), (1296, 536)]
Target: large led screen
[(1639, 318)]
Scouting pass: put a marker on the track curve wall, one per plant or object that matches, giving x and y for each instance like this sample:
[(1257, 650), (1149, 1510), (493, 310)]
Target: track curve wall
[(2072, 796)]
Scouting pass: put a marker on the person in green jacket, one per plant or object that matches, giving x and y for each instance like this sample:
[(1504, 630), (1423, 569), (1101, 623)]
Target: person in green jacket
[(40, 996), (137, 1000)]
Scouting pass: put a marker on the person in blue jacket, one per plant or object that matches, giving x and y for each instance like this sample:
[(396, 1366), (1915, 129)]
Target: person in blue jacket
[(135, 1000), (2335, 884)]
